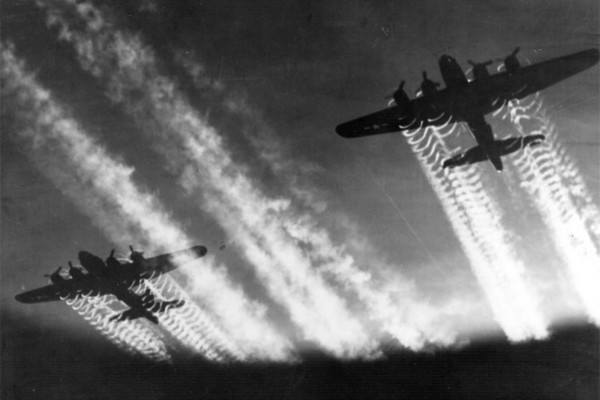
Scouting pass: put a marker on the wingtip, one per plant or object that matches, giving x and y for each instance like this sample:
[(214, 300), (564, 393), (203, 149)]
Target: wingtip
[(340, 130), (21, 298), (200, 250), (346, 130)]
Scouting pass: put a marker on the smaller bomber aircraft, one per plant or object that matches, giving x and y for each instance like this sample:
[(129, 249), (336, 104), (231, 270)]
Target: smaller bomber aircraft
[(468, 101), (111, 277)]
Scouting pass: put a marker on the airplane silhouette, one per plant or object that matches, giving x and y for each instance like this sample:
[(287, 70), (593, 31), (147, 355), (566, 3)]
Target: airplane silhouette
[(115, 278), (464, 101)]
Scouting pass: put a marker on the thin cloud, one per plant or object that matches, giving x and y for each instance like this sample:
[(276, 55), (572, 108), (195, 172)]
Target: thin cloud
[(475, 218), (250, 217), (102, 188), (562, 198)]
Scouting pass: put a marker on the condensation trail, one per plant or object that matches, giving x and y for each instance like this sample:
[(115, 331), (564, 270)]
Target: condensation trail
[(194, 149), (270, 232), (200, 330), (553, 183), (130, 336), (475, 218), (98, 184), (17, 84)]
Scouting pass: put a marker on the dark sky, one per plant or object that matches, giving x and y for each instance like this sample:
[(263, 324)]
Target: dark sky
[(165, 125)]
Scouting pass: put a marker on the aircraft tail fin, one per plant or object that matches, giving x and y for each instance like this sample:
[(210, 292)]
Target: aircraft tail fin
[(496, 161)]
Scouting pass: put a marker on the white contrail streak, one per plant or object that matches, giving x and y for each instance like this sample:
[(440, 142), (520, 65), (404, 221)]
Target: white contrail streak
[(103, 189), (131, 336), (17, 85), (394, 313), (195, 149), (475, 218), (284, 245), (555, 186)]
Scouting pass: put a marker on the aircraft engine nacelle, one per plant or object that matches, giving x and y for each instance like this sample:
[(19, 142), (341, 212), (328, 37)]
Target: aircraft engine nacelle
[(137, 257), (452, 72)]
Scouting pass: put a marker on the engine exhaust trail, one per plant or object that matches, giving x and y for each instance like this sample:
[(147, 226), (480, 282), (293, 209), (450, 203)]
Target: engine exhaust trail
[(249, 217), (475, 218), (73, 160), (269, 231), (555, 186), (388, 312), (131, 336)]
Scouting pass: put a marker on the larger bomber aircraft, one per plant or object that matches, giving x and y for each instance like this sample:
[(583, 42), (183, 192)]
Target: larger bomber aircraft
[(115, 278), (469, 101)]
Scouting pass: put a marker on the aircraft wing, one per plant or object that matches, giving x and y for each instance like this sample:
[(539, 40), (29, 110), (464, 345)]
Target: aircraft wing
[(56, 292), (533, 78), (168, 262), (43, 294), (419, 113), (389, 120)]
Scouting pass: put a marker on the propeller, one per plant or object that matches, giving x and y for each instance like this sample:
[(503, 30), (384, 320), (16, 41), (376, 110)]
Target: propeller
[(391, 95), (424, 73), (132, 252), (57, 272), (111, 255), (513, 54), (136, 256)]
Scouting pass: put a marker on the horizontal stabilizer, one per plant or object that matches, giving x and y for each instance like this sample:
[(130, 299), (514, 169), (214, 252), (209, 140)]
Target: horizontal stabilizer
[(502, 148), (132, 314)]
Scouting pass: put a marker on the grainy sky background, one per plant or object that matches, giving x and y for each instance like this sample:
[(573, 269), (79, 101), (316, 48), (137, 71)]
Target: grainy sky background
[(272, 80)]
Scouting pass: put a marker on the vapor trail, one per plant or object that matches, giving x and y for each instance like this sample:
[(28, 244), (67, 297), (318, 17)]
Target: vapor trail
[(130, 336), (390, 308), (197, 152), (103, 189), (475, 218), (555, 186), (18, 86)]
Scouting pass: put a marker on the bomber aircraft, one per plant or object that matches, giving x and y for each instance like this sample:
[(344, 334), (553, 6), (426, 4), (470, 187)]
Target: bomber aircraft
[(111, 277), (469, 101)]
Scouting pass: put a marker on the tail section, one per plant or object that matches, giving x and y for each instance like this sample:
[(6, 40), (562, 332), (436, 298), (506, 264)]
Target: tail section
[(149, 314), (495, 150), (495, 159), (133, 313)]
